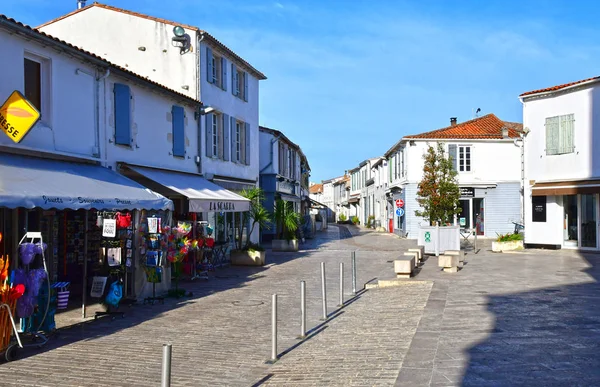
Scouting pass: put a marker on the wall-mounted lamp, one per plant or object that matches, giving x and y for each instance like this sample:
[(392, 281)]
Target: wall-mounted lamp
[(204, 110), (182, 39)]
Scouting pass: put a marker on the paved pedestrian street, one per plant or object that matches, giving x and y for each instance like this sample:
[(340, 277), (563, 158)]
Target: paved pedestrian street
[(527, 318)]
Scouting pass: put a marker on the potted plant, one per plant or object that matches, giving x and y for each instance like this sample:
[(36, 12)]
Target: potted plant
[(249, 253), (342, 219), (287, 222), (507, 242)]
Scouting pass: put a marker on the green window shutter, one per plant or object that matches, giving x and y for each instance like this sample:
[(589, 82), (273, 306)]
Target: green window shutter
[(567, 133), (552, 135), (390, 169)]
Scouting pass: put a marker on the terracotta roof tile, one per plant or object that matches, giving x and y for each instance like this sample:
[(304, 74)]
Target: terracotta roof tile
[(554, 88), (315, 188), (486, 127), (34, 33), (165, 21)]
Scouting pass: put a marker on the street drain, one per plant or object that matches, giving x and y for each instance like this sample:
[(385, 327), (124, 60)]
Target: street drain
[(227, 276), (248, 303)]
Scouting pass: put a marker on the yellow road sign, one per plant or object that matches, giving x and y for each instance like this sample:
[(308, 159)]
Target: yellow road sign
[(17, 116)]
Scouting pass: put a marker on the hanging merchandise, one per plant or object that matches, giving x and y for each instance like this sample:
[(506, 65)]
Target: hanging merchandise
[(115, 293), (98, 284), (114, 256), (109, 228), (62, 295), (123, 220)]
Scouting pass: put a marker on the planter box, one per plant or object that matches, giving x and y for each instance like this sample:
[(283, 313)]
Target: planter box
[(248, 258), (283, 245), (498, 247)]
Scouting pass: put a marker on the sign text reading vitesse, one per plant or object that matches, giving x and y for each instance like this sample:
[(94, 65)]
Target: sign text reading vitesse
[(221, 206), (17, 116)]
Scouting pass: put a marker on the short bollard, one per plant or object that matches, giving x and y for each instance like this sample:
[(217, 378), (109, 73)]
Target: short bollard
[(274, 328), (166, 366), (354, 272), (323, 291), (341, 284), (302, 309)]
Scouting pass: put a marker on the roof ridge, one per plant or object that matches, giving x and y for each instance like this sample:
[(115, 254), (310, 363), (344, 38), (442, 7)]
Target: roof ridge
[(454, 126), (160, 20)]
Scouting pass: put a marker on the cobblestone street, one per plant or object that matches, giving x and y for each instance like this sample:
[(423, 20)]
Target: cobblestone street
[(529, 318)]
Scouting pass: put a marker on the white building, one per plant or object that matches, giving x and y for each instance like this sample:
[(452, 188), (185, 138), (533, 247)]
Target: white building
[(284, 172), (562, 165), (328, 197), (363, 190), (486, 155), (191, 61), (341, 194)]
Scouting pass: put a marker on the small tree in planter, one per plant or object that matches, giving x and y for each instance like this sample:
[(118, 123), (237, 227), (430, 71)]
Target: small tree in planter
[(438, 193), (287, 222), (249, 253)]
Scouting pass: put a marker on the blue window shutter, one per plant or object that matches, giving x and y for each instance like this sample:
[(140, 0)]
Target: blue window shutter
[(223, 73), (209, 135), (178, 131), (452, 154), (226, 138), (209, 67), (233, 79), (245, 86), (247, 142), (233, 140), (122, 114)]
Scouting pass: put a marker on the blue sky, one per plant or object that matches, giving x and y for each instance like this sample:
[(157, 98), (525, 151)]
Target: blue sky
[(347, 79)]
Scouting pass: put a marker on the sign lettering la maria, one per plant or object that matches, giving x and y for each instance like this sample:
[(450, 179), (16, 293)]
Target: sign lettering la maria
[(221, 206), (17, 116)]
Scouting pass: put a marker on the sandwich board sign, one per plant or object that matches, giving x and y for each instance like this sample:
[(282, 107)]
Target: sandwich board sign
[(17, 116)]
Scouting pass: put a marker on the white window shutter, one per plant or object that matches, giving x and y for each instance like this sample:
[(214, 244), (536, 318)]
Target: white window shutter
[(552, 135)]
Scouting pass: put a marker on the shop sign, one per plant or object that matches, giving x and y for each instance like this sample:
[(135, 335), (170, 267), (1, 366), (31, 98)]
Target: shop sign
[(17, 116), (221, 206), (109, 228), (462, 221), (467, 192), (285, 187), (539, 208)]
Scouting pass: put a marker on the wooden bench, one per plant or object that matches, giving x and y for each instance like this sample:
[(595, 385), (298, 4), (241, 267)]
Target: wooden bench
[(459, 253), (403, 267), (449, 263)]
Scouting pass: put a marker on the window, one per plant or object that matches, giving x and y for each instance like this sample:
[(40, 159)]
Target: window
[(36, 83), (239, 83), (216, 69), (464, 158), (559, 134), (214, 135), (178, 134)]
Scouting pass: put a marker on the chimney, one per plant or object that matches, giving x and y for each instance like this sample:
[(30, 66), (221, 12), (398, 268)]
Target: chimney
[(80, 4), (452, 121), (504, 132)]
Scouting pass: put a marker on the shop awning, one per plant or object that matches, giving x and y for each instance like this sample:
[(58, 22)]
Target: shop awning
[(32, 182), (288, 198), (572, 187), (354, 200), (203, 196)]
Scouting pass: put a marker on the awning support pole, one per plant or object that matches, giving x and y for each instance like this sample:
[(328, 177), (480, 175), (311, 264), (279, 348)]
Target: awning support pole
[(85, 265)]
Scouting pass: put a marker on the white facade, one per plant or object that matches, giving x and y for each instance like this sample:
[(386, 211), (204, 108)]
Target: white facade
[(149, 51), (563, 182)]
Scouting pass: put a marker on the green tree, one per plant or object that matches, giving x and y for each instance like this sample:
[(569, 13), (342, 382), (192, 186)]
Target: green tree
[(258, 215), (438, 193)]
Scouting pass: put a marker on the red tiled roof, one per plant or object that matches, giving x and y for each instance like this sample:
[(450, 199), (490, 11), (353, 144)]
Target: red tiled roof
[(165, 21), (34, 33), (486, 127), (554, 88), (315, 188)]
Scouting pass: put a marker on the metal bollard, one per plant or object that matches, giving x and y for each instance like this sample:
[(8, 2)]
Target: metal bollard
[(354, 272), (341, 284), (166, 366), (274, 328), (303, 309), (323, 291)]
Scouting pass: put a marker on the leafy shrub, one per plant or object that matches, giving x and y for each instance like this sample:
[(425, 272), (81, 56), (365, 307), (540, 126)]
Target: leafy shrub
[(254, 247), (343, 218), (370, 220), (355, 220), (509, 237)]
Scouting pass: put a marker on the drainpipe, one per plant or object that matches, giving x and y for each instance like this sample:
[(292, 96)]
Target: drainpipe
[(198, 96), (98, 80), (273, 141)]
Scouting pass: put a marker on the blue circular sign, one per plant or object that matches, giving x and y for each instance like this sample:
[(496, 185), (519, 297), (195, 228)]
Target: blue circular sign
[(399, 211)]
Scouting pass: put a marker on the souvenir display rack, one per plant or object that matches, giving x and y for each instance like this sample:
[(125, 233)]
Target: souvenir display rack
[(152, 257)]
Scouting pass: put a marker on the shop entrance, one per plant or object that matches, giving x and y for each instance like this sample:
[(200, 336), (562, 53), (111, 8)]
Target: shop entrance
[(472, 214), (580, 221)]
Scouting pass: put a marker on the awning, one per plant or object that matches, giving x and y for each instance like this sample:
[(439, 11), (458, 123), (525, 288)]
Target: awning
[(203, 196), (316, 204), (288, 198), (566, 187), (354, 200), (32, 182)]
